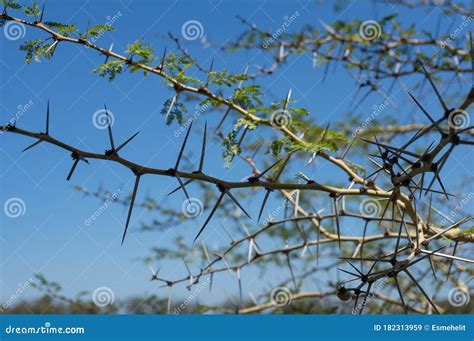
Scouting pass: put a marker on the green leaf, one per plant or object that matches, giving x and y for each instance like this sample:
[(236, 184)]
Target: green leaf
[(142, 50), (62, 29), (33, 10), (176, 112), (110, 69), (11, 4), (35, 49), (99, 30)]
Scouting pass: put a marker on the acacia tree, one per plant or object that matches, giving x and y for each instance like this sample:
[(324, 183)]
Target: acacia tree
[(379, 233)]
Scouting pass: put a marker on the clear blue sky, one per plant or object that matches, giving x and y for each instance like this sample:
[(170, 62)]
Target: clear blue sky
[(51, 237)]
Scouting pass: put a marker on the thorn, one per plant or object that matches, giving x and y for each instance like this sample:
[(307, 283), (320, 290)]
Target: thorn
[(336, 211), (240, 285), (366, 298), (50, 50), (110, 50), (399, 234), (228, 235), (398, 150), (257, 177), (229, 108), (162, 62), (434, 87), (209, 73), (291, 271), (433, 269), (76, 161), (400, 294), (451, 260), (203, 150), (327, 27), (173, 101), (267, 194), (47, 119), (287, 100), (422, 291), (236, 202), (460, 222), (182, 146), (219, 199), (348, 148), (109, 128), (189, 271), (42, 12), (132, 201), (179, 187), (126, 142), (349, 273), (170, 295), (426, 113), (32, 145)]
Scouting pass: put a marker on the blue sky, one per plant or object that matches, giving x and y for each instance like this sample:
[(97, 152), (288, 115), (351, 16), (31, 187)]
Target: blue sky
[(51, 237)]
